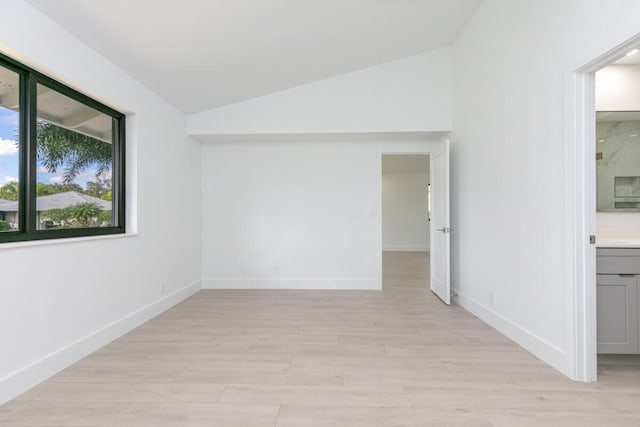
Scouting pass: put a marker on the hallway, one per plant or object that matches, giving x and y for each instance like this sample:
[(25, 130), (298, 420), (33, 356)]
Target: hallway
[(405, 271)]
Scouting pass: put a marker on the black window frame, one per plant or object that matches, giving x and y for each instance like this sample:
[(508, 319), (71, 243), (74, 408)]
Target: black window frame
[(27, 230)]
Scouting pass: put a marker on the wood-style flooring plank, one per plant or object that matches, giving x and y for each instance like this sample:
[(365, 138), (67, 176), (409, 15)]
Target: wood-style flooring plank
[(296, 358)]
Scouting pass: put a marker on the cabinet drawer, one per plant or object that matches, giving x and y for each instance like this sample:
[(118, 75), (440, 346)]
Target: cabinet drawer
[(618, 261)]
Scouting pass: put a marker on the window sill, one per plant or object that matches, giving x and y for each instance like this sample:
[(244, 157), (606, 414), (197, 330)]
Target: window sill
[(31, 243)]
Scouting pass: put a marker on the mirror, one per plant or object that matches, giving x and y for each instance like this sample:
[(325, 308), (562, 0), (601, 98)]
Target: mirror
[(618, 161)]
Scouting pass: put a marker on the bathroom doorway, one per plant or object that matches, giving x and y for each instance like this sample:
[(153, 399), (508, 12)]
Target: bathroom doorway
[(582, 206), (617, 154)]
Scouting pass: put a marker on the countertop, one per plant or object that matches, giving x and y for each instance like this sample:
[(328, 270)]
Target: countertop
[(618, 242)]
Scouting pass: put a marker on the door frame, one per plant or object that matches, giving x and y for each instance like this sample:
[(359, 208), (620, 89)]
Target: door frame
[(580, 209)]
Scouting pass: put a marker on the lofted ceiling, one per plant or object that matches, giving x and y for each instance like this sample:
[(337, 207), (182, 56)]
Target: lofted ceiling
[(203, 54)]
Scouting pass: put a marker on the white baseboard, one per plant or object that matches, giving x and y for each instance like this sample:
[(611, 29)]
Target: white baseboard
[(16, 383), (391, 248), (328, 284), (539, 347)]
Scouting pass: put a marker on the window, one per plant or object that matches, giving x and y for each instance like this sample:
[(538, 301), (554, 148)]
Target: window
[(61, 160)]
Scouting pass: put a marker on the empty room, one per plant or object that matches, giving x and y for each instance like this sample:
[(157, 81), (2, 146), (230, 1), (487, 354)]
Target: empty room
[(320, 213)]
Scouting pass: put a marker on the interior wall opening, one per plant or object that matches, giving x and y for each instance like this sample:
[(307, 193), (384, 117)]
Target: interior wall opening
[(405, 221), (617, 217)]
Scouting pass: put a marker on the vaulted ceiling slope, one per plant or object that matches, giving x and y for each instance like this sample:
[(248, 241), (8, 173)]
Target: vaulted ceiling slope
[(203, 54)]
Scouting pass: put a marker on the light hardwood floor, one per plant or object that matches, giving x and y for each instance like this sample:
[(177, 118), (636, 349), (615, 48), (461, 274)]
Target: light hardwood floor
[(323, 358)]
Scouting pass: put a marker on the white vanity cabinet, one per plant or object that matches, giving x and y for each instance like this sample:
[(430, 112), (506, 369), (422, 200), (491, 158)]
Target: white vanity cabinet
[(618, 300)]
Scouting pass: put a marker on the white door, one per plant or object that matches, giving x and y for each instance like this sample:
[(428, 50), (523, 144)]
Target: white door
[(440, 232)]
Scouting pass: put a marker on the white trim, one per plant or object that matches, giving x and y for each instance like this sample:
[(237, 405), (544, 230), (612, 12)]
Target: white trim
[(580, 270), (318, 136), (33, 374), (540, 348), (48, 242), (405, 248), (288, 283), (379, 243)]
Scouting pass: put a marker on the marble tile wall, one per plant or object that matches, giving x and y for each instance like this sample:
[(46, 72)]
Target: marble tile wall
[(618, 171)]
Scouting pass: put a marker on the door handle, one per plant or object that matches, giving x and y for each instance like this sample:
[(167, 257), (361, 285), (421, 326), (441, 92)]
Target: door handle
[(445, 230)]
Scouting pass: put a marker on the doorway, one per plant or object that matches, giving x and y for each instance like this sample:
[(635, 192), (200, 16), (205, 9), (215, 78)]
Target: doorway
[(405, 222), (617, 101), (581, 190)]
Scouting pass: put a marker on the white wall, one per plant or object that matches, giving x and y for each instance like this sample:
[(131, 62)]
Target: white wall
[(512, 68), (291, 182), (618, 88), (405, 226), (412, 94), (301, 213), (61, 300)]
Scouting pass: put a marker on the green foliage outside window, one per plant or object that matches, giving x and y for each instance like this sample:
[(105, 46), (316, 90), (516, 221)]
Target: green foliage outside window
[(81, 215), (61, 148)]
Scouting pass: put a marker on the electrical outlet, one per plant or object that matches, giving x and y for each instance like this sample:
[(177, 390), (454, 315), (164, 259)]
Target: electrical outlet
[(492, 296)]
